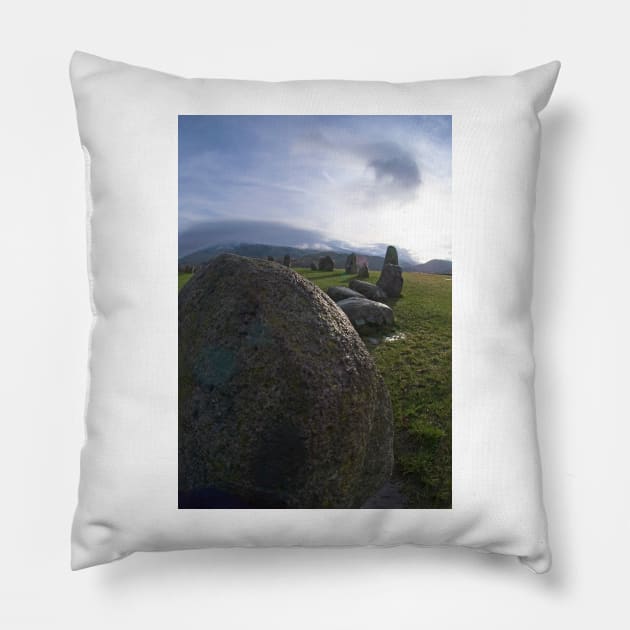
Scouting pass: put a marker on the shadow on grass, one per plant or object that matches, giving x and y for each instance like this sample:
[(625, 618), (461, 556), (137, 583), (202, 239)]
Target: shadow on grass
[(341, 277)]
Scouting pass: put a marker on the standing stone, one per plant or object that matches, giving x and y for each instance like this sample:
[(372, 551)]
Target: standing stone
[(391, 280), (280, 402), (326, 263), (351, 264), (313, 267), (391, 256), (363, 271), (287, 260)]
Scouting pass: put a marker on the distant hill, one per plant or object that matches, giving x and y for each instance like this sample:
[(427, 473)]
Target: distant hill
[(250, 250), (304, 257), (441, 267)]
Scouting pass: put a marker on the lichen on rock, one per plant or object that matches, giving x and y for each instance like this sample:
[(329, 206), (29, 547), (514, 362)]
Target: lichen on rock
[(280, 403)]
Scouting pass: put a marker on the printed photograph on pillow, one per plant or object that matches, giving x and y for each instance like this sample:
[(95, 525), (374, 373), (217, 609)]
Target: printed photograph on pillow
[(315, 273)]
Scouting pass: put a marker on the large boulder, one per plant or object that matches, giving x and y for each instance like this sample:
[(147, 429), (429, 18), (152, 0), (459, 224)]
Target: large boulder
[(366, 315), (369, 290), (280, 403), (391, 280), (341, 293), (391, 256), (351, 264), (326, 263)]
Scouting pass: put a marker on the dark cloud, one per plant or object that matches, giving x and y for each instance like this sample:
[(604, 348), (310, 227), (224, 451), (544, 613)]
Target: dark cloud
[(393, 164), (397, 169), (394, 167)]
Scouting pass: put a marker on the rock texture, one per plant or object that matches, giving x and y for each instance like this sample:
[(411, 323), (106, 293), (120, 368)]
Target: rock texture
[(280, 403), (366, 315), (341, 293), (391, 280), (326, 263), (369, 290), (351, 264), (390, 496), (391, 256)]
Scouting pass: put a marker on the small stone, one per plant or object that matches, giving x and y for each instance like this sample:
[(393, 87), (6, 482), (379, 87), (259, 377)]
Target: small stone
[(368, 290), (342, 293), (366, 315)]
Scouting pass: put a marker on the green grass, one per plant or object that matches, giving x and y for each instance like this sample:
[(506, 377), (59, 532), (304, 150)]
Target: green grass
[(182, 279), (415, 361), (416, 366)]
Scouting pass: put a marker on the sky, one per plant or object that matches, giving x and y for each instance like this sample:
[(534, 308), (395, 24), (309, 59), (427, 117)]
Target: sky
[(357, 182)]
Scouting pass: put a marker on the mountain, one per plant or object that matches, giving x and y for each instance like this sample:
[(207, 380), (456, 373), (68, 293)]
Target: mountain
[(442, 267), (304, 257), (252, 250)]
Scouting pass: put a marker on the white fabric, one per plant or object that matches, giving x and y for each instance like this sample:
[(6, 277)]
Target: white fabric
[(128, 492)]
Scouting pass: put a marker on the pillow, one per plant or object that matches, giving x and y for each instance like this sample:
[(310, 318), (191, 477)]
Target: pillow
[(344, 356)]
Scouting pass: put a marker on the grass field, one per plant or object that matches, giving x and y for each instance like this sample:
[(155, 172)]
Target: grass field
[(183, 279), (416, 365), (415, 361)]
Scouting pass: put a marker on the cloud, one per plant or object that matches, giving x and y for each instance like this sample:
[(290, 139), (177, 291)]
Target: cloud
[(359, 168), (274, 233), (394, 164), (211, 233), (355, 180), (399, 171)]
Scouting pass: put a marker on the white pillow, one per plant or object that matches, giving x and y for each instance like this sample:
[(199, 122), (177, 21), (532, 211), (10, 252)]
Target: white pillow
[(128, 124)]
